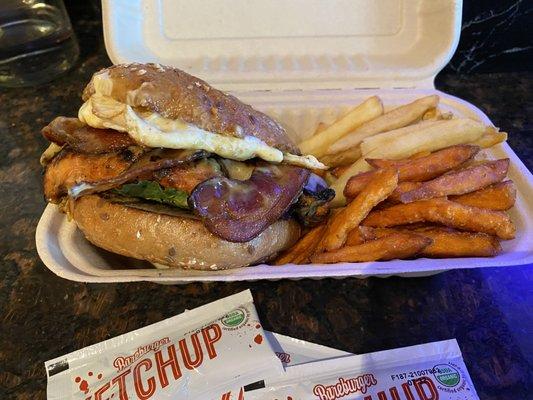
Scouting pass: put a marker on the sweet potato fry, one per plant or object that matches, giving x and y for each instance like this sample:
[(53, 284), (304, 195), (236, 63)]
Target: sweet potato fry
[(378, 189), (357, 183), (447, 213), (305, 255), (416, 170), (402, 188), (428, 167), (449, 243), (360, 235), (302, 249), (460, 244), (500, 196), (460, 182), (397, 245)]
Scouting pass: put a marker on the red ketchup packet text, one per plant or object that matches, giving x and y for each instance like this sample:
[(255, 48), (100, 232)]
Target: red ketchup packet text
[(200, 354), (433, 371)]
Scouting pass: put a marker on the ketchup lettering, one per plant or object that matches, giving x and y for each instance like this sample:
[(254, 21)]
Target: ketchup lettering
[(150, 373), (229, 396)]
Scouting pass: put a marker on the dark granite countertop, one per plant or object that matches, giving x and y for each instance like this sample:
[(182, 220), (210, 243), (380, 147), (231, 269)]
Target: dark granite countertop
[(489, 311)]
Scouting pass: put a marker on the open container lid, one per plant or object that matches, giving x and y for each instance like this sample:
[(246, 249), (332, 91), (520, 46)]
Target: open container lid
[(245, 45)]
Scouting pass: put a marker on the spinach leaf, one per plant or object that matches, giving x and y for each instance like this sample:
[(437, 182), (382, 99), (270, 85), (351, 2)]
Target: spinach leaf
[(151, 190)]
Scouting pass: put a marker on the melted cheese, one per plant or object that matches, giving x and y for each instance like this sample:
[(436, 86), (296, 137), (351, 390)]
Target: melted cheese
[(153, 130), (238, 170)]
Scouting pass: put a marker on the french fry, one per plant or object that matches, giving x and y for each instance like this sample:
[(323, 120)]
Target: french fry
[(447, 213), (397, 245), (449, 243), (378, 189), (431, 114), (303, 248), (320, 127), (346, 157), (431, 136), (500, 196), (366, 111), (419, 169), (491, 138), (386, 138), (396, 118), (360, 235), (447, 115), (435, 114), (338, 171), (459, 182), (427, 136)]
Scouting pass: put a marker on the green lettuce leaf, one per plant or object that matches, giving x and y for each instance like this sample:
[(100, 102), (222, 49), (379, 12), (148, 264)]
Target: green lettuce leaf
[(151, 190)]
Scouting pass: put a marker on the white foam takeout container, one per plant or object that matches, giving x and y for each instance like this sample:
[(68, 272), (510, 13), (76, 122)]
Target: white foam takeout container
[(302, 62)]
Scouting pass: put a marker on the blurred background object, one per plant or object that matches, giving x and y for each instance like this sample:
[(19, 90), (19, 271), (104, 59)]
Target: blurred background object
[(36, 41)]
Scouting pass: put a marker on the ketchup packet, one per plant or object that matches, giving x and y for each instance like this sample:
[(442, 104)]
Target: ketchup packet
[(425, 372), (293, 351), (200, 354)]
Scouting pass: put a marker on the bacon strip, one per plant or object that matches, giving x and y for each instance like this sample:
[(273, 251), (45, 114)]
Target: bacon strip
[(85, 139), (238, 211)]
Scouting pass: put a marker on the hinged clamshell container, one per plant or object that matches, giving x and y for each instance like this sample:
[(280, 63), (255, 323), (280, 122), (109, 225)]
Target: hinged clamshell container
[(302, 62)]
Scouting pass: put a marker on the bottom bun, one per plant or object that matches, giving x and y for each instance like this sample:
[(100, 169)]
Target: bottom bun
[(171, 240)]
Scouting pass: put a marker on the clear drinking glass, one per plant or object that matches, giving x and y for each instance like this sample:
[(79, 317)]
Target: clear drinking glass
[(36, 41)]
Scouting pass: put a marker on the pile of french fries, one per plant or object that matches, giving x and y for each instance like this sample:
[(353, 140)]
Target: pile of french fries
[(408, 185)]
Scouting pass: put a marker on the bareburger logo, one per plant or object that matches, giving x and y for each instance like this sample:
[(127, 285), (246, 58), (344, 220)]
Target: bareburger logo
[(123, 362), (345, 387)]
